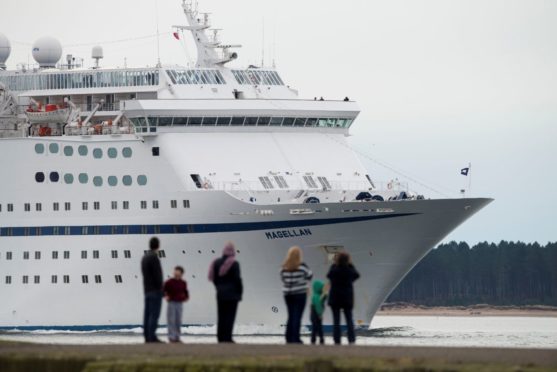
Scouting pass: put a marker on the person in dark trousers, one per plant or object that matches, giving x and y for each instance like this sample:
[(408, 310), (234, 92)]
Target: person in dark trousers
[(176, 293), (152, 285), (342, 275), (318, 298), (295, 276), (224, 272)]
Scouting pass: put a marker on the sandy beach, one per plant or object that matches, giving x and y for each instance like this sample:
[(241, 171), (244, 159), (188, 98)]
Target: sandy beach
[(399, 309)]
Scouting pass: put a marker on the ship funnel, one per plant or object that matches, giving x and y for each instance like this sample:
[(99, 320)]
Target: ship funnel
[(47, 51), (97, 54), (5, 50)]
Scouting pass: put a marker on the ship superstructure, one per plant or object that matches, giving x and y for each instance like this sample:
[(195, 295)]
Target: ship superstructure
[(95, 161)]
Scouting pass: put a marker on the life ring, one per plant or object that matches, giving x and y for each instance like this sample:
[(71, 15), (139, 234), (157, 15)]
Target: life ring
[(206, 185), (390, 185)]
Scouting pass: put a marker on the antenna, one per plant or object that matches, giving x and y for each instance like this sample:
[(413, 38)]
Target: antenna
[(158, 34)]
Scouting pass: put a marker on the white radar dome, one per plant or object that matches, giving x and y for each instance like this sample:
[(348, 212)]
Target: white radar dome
[(5, 50), (47, 51), (97, 52)]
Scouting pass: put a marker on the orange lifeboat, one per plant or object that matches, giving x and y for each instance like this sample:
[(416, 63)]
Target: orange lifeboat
[(45, 132)]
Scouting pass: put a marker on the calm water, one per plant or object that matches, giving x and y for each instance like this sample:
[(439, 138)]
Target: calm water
[(509, 332)]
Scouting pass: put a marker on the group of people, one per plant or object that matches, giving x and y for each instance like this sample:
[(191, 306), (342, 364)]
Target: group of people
[(224, 273)]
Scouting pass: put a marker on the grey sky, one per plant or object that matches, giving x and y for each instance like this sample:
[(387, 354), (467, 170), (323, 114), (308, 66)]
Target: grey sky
[(440, 83)]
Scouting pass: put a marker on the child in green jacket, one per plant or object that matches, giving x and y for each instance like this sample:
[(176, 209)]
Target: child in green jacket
[(317, 309)]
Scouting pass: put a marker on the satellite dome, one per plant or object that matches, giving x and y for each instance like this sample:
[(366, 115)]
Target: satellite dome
[(5, 50), (47, 51)]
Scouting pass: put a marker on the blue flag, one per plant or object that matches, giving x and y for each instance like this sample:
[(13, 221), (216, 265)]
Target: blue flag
[(465, 171)]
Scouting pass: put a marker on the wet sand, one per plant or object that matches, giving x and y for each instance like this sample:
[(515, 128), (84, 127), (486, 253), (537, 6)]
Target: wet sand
[(401, 309)]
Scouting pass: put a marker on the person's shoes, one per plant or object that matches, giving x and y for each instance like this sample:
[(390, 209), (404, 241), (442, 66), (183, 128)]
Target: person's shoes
[(155, 341)]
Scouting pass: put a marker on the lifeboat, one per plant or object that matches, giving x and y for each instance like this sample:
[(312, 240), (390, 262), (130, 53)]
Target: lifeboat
[(51, 114)]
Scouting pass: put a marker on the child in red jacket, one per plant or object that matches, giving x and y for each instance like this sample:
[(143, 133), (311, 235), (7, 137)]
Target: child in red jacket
[(176, 293)]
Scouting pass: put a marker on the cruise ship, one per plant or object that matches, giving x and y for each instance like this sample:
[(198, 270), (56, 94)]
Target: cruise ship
[(95, 161)]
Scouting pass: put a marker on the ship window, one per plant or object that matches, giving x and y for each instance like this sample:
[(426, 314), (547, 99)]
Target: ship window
[(156, 151), (56, 231), (68, 150), (56, 206), (252, 121), (68, 178), (97, 181), (27, 207), (165, 121), (179, 121), (310, 182), (288, 122), (25, 279), (127, 152), (263, 121), (98, 279), (96, 255), (39, 148), (155, 204), (66, 255), (114, 205), (300, 122), (281, 182), (324, 183), (112, 153), (209, 121), (162, 253), (37, 279), (312, 122), (96, 205), (84, 230), (85, 206), (127, 254), (84, 279), (8, 279), (97, 153), (8, 256), (66, 279), (112, 180), (266, 182), (67, 206), (174, 204), (83, 255), (143, 204), (83, 178), (277, 122), (53, 148), (25, 255), (54, 177), (54, 255), (142, 180), (224, 121), (118, 278), (54, 279), (38, 207), (114, 254), (127, 180), (82, 150), (10, 207), (37, 255), (238, 121), (126, 205), (186, 203), (195, 121), (39, 177)]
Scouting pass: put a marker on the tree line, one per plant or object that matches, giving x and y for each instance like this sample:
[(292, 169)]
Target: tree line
[(503, 274)]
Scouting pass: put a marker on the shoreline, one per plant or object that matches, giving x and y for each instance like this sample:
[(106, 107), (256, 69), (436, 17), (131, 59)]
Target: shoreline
[(404, 309)]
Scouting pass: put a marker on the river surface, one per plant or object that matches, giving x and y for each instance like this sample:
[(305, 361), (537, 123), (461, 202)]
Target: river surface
[(506, 332)]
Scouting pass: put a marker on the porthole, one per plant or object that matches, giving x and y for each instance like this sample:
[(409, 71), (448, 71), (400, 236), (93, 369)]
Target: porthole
[(53, 148), (39, 148), (39, 177), (97, 153), (83, 150), (54, 177), (127, 152), (68, 150), (112, 180), (127, 180), (83, 178), (68, 178), (142, 180), (112, 153), (97, 181)]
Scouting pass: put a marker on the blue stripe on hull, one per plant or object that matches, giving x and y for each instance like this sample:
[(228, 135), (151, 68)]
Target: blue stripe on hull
[(182, 228)]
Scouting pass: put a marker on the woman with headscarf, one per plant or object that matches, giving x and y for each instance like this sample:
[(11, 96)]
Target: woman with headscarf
[(224, 272), (296, 277), (342, 276)]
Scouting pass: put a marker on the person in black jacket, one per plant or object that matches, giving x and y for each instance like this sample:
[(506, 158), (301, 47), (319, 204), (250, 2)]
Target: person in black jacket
[(342, 275), (152, 286), (224, 272)]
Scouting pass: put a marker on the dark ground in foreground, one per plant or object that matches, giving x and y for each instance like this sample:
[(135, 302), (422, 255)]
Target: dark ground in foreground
[(174, 358)]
